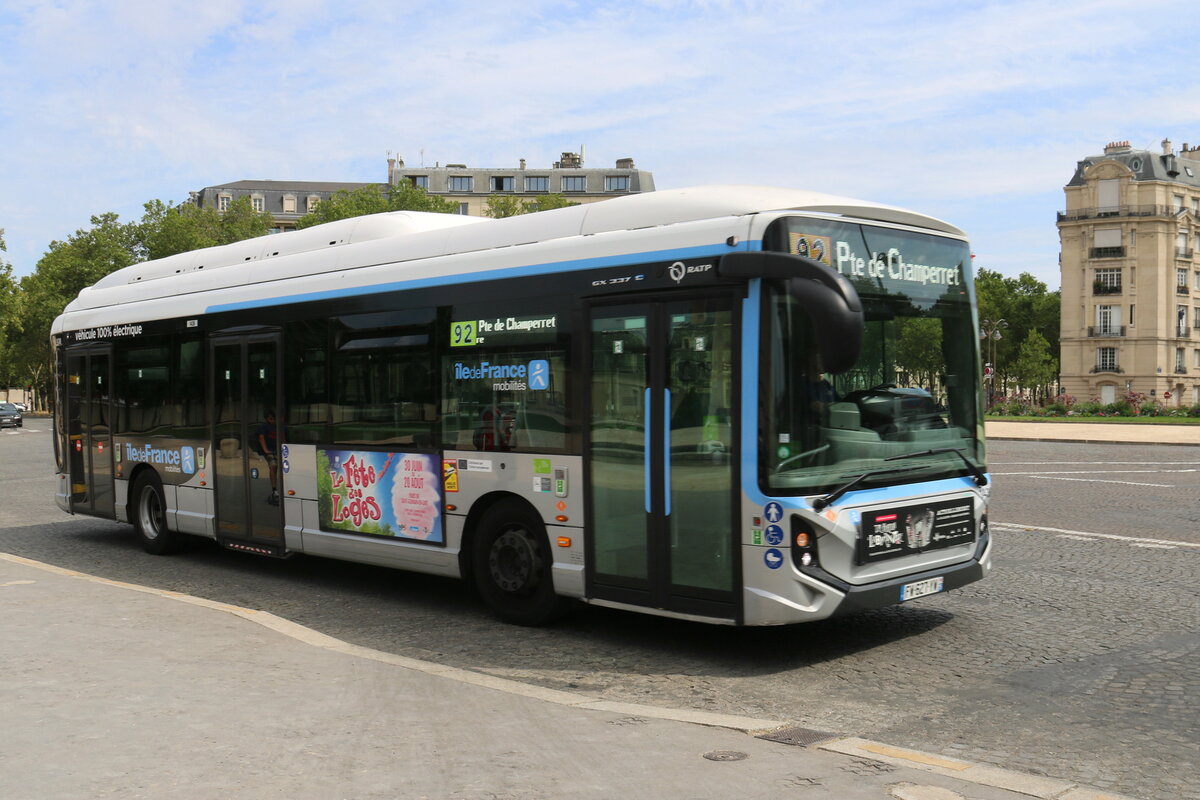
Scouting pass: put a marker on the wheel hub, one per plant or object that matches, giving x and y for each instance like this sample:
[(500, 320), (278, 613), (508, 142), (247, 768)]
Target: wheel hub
[(513, 561)]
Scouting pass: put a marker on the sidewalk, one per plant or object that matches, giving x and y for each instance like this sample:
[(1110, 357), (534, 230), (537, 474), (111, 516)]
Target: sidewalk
[(1093, 432), (113, 690)]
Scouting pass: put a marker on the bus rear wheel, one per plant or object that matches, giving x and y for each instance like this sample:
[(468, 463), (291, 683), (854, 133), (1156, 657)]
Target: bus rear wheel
[(511, 563), (150, 516)]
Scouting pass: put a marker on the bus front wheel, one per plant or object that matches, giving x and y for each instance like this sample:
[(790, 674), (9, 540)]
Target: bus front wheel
[(511, 564), (150, 516)]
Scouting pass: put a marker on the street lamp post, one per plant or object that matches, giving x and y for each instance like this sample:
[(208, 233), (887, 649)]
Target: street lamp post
[(990, 331)]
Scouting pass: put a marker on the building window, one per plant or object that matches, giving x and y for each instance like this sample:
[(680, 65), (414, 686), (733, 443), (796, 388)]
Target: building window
[(1106, 359), (1108, 281), (289, 204), (537, 183), (1108, 320), (1196, 317), (1181, 326), (460, 183), (419, 181), (463, 209), (502, 183), (1196, 206), (1131, 308), (258, 203), (311, 203), (1181, 286), (223, 202), (1196, 358), (1179, 365), (616, 183), (574, 183)]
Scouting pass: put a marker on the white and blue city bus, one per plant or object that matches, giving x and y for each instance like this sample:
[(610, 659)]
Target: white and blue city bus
[(738, 405)]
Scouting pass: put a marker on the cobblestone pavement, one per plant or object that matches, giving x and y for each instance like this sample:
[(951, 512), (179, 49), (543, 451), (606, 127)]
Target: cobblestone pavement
[(1078, 658)]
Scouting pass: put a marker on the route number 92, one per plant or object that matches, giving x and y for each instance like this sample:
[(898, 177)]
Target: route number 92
[(462, 334)]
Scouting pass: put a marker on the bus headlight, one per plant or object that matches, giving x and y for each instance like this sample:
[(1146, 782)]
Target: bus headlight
[(804, 542)]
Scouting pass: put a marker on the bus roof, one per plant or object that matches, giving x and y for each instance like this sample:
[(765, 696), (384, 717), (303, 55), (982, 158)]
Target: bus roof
[(408, 235)]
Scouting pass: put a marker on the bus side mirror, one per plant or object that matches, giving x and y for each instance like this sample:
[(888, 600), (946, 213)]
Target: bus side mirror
[(825, 295)]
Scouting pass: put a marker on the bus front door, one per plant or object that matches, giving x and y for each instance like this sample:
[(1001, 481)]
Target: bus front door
[(245, 446), (662, 475), (89, 431)]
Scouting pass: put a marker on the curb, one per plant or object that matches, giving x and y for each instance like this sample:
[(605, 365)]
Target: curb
[(1089, 441), (968, 772)]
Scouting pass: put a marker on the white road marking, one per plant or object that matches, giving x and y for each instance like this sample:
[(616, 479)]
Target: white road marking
[(1016, 527), (1131, 463), (1097, 472), (1090, 480)]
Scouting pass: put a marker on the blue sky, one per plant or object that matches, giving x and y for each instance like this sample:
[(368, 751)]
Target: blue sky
[(972, 112)]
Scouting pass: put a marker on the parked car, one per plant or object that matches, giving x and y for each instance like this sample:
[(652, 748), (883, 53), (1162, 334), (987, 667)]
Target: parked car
[(21, 407), (10, 415)]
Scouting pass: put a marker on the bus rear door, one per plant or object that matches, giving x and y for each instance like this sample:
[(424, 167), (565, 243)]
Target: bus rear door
[(89, 430)]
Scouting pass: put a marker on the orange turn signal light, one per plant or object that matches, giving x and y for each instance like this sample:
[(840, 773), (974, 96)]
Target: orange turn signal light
[(803, 539), (562, 518), (564, 541), (450, 507)]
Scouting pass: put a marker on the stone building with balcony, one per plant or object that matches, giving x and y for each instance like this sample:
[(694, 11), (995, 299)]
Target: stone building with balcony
[(468, 187), (1130, 279)]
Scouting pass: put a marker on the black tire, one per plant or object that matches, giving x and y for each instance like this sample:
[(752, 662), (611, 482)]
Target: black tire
[(511, 563), (148, 511)]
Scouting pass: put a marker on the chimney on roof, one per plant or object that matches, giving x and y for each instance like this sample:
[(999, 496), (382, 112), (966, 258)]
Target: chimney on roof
[(569, 161), (1116, 147), (1166, 146), (522, 163), (624, 163)]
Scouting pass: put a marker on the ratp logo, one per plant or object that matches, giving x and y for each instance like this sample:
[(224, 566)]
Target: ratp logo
[(678, 271)]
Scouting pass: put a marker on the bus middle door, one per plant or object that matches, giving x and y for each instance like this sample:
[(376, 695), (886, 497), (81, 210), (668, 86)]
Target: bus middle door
[(662, 473)]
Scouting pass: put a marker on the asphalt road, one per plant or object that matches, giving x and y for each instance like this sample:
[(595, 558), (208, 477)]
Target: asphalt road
[(1078, 658)]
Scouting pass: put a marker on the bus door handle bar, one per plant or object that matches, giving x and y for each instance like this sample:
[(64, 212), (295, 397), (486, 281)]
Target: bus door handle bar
[(647, 441), (666, 452), (646, 471)]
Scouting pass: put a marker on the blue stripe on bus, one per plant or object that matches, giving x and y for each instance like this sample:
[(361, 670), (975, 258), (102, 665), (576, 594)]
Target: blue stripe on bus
[(751, 316), (667, 452), (700, 251), (646, 471)]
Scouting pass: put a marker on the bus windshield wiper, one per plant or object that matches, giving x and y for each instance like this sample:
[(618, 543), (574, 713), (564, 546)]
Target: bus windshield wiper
[(976, 472), (821, 502)]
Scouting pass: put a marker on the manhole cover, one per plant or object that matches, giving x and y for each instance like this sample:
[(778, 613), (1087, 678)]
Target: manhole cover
[(726, 755), (800, 737)]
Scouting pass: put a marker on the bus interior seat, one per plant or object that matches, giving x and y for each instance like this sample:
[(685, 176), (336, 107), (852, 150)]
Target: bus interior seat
[(846, 436)]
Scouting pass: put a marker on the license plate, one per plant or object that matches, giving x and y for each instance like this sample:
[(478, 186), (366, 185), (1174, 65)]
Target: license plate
[(911, 591)]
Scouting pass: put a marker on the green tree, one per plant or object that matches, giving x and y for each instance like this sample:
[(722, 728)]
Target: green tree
[(1025, 305), (919, 348), (507, 205), (10, 327), (375, 199), (1034, 367), (547, 202), (500, 206)]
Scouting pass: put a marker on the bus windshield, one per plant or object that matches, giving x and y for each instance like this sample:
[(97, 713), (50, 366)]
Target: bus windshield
[(910, 401)]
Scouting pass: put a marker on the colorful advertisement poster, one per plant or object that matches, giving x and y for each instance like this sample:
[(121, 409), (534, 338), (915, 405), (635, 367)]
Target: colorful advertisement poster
[(382, 494)]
